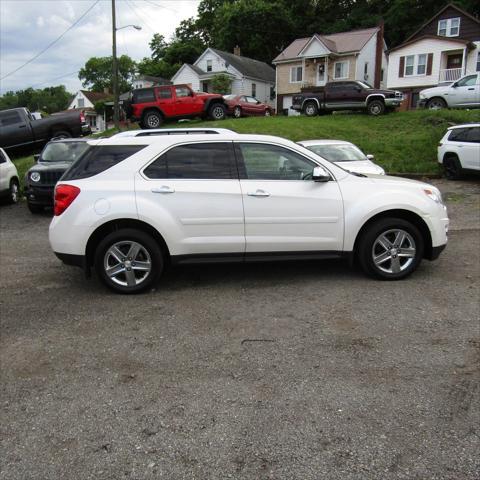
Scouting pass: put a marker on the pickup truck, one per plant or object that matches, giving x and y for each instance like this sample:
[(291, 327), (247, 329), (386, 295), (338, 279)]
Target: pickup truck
[(464, 93), (19, 128), (152, 106), (349, 95)]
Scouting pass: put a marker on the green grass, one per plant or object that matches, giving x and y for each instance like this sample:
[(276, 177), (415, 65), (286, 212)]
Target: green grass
[(402, 142), (23, 164)]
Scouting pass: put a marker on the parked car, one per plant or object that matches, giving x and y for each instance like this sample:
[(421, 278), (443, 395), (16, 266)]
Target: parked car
[(19, 128), (152, 106), (459, 150), (244, 106), (56, 157), (344, 154), (129, 206), (9, 183), (464, 93), (172, 131), (351, 95)]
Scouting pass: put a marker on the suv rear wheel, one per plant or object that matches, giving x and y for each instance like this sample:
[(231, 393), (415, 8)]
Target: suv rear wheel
[(152, 119), (216, 112), (128, 261), (390, 249), (452, 167)]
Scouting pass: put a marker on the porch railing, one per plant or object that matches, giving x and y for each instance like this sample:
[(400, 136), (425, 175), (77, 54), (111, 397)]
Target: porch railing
[(450, 74)]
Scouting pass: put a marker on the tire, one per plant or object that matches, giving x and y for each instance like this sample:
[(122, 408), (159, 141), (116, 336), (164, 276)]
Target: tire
[(237, 112), (109, 255), (62, 134), (216, 112), (14, 194), (268, 113), (311, 109), (152, 119), (452, 167), (35, 209), (382, 254), (436, 103), (375, 108)]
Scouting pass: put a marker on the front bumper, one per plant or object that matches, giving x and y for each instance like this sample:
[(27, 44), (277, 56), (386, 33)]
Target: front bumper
[(393, 102), (40, 195)]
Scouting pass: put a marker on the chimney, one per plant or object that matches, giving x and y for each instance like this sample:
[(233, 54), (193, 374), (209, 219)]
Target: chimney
[(236, 51), (379, 55)]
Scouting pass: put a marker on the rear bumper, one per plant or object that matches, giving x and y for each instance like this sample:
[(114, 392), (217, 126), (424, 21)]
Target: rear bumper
[(86, 130), (74, 260), (436, 251)]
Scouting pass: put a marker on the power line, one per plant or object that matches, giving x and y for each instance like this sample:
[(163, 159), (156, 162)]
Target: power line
[(55, 79), (160, 6), (142, 20), (51, 43)]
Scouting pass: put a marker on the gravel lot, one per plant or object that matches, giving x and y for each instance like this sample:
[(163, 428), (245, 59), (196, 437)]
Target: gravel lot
[(274, 371)]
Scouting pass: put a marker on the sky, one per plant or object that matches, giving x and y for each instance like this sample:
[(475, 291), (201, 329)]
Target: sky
[(28, 26)]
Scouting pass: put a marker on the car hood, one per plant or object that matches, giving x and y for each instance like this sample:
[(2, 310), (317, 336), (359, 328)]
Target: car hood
[(50, 166), (389, 180), (361, 166), (430, 92)]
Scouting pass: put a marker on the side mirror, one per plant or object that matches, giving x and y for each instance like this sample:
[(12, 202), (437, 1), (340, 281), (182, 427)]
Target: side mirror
[(370, 157), (36, 157), (320, 175)]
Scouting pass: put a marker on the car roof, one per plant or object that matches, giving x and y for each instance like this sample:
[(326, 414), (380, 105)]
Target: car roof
[(464, 125), (171, 131), (323, 142)]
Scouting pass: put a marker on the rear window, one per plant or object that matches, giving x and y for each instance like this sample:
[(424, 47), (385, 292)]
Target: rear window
[(99, 158)]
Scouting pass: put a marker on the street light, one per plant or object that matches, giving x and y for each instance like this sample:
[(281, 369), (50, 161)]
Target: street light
[(115, 65)]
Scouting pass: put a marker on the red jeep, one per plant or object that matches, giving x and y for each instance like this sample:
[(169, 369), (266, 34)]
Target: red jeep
[(152, 106)]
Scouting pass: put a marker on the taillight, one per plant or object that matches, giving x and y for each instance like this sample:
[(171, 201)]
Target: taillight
[(82, 117), (64, 196)]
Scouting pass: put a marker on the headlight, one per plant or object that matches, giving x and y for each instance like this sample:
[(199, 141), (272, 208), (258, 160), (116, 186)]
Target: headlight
[(35, 176), (434, 194)]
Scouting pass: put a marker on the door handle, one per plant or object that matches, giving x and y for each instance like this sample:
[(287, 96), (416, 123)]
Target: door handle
[(473, 88), (22, 126), (163, 189), (258, 193)]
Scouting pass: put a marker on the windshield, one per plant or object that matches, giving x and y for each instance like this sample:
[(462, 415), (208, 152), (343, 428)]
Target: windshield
[(338, 153), (229, 97), (63, 151), (365, 85)]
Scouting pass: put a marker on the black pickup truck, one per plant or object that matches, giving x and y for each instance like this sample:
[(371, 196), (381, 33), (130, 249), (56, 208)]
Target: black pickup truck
[(19, 128), (352, 95)]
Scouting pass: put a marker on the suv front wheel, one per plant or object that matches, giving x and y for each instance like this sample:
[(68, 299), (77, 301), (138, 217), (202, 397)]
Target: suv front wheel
[(390, 249), (376, 107), (128, 261), (216, 112)]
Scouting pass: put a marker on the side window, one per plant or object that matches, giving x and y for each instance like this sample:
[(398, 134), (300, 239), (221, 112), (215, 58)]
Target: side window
[(10, 118), (269, 162), (144, 96), (182, 92), (458, 135), (2, 157), (164, 93), (473, 135), (469, 81), (208, 161)]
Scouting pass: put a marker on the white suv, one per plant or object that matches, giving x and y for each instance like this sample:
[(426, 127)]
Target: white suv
[(459, 150), (9, 183), (130, 205)]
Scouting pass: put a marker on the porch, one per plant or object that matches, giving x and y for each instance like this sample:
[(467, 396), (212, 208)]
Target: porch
[(452, 65), (315, 71)]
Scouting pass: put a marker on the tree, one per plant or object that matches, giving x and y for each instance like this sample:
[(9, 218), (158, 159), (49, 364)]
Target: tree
[(97, 75), (221, 83), (49, 99)]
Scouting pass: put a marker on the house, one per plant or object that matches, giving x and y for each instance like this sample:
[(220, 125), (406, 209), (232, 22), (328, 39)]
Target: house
[(85, 101), (441, 51), (145, 81), (249, 76), (316, 60)]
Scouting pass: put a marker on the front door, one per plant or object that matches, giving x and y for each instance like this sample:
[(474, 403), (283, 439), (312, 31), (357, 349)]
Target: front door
[(454, 61), (191, 195), (285, 210), (321, 73)]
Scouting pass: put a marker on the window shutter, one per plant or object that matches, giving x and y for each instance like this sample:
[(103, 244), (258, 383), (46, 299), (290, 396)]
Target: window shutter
[(401, 69), (429, 63)]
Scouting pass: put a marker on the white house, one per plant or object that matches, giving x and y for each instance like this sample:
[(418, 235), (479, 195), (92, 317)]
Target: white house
[(85, 100), (444, 49), (313, 61), (146, 81), (249, 77)]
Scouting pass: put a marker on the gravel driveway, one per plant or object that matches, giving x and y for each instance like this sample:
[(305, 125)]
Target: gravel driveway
[(273, 371)]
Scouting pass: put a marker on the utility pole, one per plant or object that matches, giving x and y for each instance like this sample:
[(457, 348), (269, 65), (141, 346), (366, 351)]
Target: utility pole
[(115, 69)]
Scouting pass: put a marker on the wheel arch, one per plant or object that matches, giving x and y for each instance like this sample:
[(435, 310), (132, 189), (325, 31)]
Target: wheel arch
[(450, 154), (375, 96), (118, 224), (152, 109), (59, 127), (213, 101), (407, 215), (311, 99)]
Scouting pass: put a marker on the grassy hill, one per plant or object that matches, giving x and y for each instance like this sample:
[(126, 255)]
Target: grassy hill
[(403, 142)]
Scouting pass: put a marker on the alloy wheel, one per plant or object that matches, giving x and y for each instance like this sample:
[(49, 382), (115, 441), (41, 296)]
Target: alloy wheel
[(393, 251)]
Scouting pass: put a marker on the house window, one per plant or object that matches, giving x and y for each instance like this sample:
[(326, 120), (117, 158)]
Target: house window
[(409, 62), (209, 65), (340, 70), (296, 74), (449, 27), (272, 92), (421, 64), (81, 102), (254, 89), (478, 62)]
